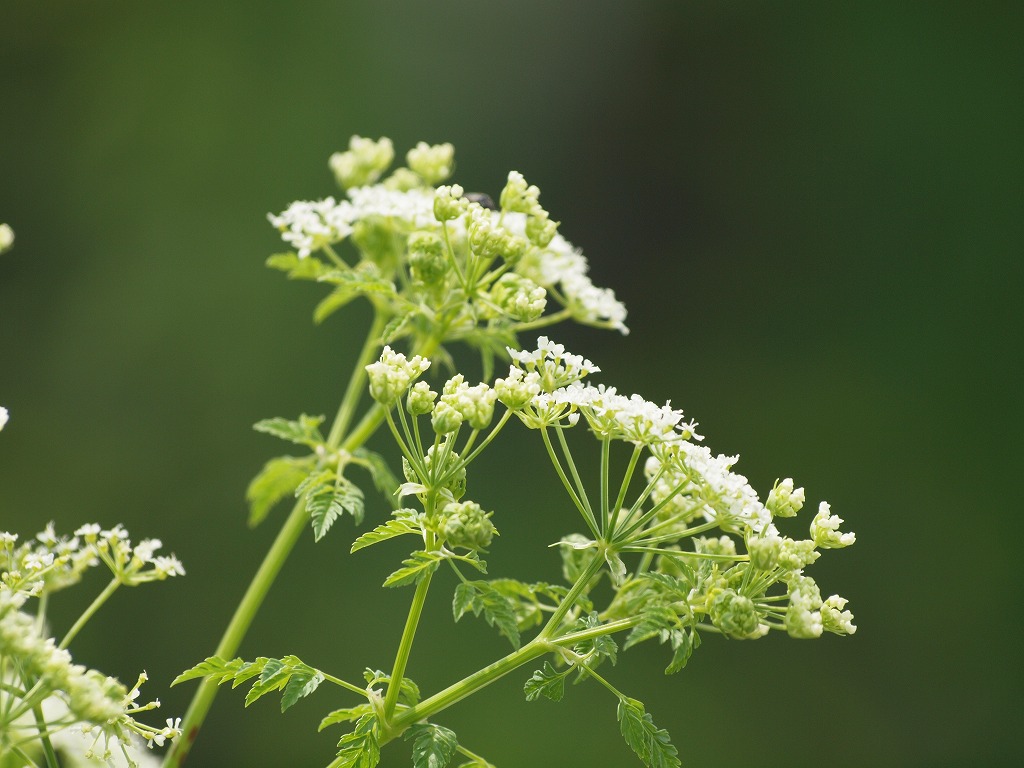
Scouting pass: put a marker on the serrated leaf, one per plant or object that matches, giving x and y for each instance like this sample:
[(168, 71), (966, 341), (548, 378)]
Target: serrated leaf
[(309, 268), (303, 431), (654, 622), (213, 667), (602, 645), (361, 748), (684, 645), (416, 567), (278, 478), (300, 686), (329, 501), (433, 745), (547, 682), (383, 478), (385, 531), (395, 327), (482, 598), (650, 743), (273, 677), (345, 715)]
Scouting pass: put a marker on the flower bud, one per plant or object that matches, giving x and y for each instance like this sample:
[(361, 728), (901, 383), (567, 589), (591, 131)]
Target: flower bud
[(783, 501), (764, 552), (518, 196), (519, 297), (518, 388), (421, 399), (428, 262), (825, 530), (363, 163), (835, 619), (392, 374), (433, 163), (6, 237), (449, 202), (734, 614), (540, 229), (466, 525)]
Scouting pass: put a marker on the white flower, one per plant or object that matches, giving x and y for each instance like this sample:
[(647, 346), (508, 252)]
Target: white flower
[(310, 225), (556, 367), (415, 206), (825, 530), (4, 416)]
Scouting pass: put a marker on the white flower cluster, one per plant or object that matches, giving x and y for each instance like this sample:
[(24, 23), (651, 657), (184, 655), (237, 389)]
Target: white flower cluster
[(309, 225), (825, 530), (392, 375), (4, 416), (461, 402), (555, 367), (6, 237)]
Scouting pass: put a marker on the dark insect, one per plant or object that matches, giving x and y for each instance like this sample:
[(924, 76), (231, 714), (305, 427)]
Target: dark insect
[(482, 199)]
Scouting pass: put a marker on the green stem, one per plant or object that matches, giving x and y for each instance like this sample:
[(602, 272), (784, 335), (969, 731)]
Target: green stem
[(405, 646), (572, 468), (101, 598), (577, 589), (44, 738), (356, 382), (588, 516), (346, 685)]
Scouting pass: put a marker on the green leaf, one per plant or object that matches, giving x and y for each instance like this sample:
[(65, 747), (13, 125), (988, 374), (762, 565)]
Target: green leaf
[(213, 667), (389, 530), (684, 645), (309, 268), (300, 686), (651, 744), (326, 502), (498, 610), (289, 674), (547, 682), (332, 302), (278, 478), (361, 748), (417, 566), (304, 431), (395, 328), (602, 645), (345, 715), (383, 478), (433, 745), (654, 622)]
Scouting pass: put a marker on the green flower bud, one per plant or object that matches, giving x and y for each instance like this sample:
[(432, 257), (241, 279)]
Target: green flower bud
[(433, 163), (734, 614), (455, 484), (518, 388), (519, 297), (764, 552), (722, 545), (783, 501), (428, 262), (486, 238), (421, 399), (449, 202), (474, 405), (391, 375), (518, 196), (540, 229), (363, 163), (466, 525), (402, 179), (795, 555)]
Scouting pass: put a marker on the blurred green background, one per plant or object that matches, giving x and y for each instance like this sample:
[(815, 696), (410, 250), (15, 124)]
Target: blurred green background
[(812, 210)]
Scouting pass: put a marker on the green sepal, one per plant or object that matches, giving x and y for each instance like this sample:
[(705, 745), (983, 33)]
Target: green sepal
[(345, 715), (309, 268), (498, 610), (433, 745), (304, 431), (416, 567), (547, 682), (277, 480), (653, 745), (405, 521)]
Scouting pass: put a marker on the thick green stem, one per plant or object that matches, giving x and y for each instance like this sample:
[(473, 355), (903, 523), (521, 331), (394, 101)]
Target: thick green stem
[(101, 598), (577, 589), (405, 646), (356, 383), (44, 738)]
